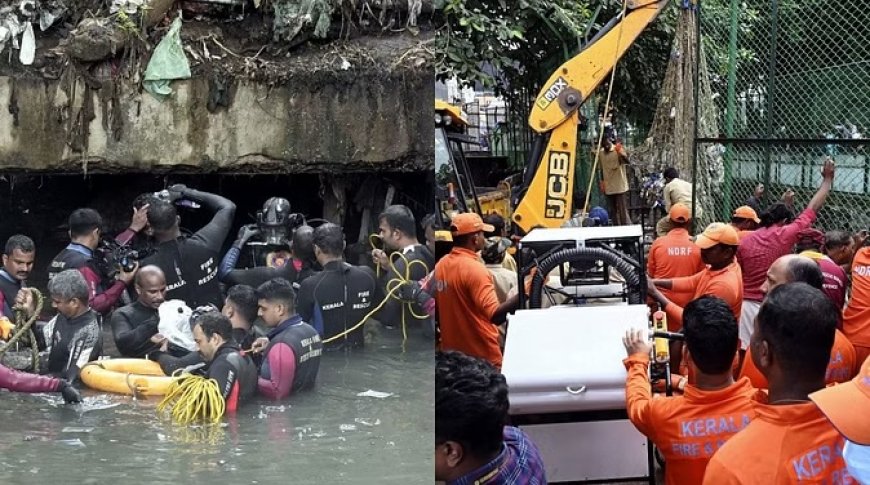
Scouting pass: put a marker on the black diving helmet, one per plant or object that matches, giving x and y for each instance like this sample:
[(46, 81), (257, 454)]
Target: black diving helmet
[(276, 222)]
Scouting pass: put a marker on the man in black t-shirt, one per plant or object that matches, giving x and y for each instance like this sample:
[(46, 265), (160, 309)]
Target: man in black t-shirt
[(404, 258), (335, 300)]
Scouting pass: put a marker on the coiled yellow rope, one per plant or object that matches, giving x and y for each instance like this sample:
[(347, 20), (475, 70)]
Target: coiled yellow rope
[(193, 398), (392, 287)]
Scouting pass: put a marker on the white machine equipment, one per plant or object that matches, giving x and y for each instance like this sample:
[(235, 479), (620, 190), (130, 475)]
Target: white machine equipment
[(564, 364)]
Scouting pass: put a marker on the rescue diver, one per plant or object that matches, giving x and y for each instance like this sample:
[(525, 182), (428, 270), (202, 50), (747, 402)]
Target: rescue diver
[(291, 351), (298, 266), (85, 230), (240, 308), (134, 326), (234, 372), (274, 227), (190, 264), (398, 231), (18, 260), (336, 299), (74, 336)]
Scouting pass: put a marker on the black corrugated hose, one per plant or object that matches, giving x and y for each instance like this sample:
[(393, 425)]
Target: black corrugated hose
[(626, 269)]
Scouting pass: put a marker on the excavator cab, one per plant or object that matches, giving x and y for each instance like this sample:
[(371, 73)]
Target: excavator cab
[(456, 190)]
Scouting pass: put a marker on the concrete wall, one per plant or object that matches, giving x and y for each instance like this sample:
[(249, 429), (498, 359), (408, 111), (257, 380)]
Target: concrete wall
[(354, 124)]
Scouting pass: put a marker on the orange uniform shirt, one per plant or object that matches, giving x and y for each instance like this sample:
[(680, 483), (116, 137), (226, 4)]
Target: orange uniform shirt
[(785, 444), (726, 283), (842, 367), (466, 301), (673, 256), (856, 317), (687, 429)]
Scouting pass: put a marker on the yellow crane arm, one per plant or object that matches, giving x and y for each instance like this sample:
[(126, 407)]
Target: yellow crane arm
[(546, 201)]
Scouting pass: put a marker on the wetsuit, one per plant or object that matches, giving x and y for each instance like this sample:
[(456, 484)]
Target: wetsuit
[(133, 326), (25, 382), (291, 360), (9, 287), (392, 312), (337, 299), (191, 264), (172, 361), (235, 374), (72, 343), (295, 270)]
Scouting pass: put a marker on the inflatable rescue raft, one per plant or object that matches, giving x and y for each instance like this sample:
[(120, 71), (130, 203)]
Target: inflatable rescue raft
[(126, 376)]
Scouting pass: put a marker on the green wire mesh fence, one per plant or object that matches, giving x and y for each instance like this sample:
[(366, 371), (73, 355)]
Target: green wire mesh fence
[(790, 84)]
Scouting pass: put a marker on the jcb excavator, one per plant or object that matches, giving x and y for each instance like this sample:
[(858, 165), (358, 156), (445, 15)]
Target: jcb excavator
[(545, 197), (456, 189), (563, 365)]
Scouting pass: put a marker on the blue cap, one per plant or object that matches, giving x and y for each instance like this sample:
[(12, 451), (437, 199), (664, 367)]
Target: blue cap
[(600, 215)]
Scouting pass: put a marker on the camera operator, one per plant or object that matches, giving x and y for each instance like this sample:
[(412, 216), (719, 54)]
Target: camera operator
[(190, 264), (85, 230)]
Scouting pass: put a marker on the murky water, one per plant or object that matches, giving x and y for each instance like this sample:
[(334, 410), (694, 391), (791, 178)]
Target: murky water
[(327, 436)]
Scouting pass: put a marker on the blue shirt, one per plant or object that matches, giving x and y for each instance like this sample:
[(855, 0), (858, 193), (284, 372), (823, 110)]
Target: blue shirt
[(519, 463)]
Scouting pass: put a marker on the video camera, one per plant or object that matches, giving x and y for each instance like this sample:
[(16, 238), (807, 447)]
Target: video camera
[(111, 257), (165, 196)]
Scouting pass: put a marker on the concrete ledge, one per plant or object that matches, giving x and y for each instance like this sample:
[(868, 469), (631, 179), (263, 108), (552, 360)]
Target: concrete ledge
[(358, 124)]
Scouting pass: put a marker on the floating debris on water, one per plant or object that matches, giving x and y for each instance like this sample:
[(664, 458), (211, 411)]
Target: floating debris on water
[(72, 429), (276, 409), (367, 422), (347, 427), (74, 442), (377, 394)]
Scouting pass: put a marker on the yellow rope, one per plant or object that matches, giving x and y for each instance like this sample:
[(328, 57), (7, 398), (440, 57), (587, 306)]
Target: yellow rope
[(606, 108), (392, 287), (372, 238), (191, 398)]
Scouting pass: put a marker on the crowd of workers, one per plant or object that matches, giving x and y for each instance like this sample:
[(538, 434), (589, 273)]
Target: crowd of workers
[(257, 330), (771, 381)]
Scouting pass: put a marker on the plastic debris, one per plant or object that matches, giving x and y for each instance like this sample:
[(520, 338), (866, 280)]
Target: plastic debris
[(73, 442), (347, 427), (167, 63), (377, 394), (72, 429), (28, 46), (367, 422), (174, 315)]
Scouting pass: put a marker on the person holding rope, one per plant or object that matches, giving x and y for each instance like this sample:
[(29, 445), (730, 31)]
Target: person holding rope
[(614, 181), (291, 351), (336, 300), (17, 264), (403, 257), (74, 336), (235, 373)]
